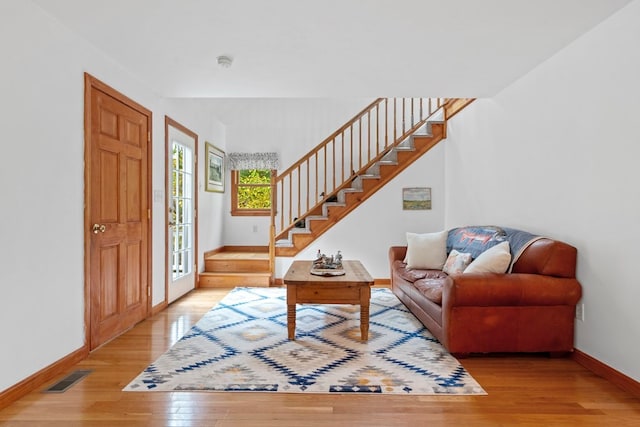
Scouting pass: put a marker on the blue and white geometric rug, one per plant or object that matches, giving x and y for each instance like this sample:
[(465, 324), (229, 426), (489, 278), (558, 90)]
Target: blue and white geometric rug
[(242, 345)]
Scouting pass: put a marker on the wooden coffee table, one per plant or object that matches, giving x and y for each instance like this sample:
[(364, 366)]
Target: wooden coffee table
[(354, 287)]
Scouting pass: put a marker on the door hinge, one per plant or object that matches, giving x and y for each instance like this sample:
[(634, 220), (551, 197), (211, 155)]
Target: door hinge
[(148, 291), (148, 136), (148, 213)]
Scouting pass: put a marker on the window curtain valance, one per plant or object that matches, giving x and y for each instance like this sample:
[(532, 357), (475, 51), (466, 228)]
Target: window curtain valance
[(241, 161)]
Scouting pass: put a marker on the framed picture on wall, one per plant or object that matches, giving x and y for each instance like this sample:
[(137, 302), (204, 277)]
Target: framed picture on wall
[(214, 169), (416, 198)]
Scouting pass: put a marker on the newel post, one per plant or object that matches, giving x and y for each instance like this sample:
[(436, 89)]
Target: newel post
[(272, 227)]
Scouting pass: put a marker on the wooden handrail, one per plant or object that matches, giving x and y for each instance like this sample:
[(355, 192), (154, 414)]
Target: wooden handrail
[(331, 137)]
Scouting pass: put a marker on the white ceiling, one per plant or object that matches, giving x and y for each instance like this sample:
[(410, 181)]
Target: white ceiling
[(330, 48)]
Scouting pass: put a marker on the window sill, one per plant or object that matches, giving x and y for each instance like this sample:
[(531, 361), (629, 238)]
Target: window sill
[(250, 212)]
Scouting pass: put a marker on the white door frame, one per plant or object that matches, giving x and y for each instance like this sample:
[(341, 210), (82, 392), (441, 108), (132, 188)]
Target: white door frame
[(174, 131)]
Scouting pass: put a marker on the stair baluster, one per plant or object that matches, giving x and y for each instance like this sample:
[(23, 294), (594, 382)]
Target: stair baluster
[(326, 178)]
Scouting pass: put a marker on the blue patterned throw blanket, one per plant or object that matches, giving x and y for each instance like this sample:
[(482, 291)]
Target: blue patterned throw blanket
[(477, 239)]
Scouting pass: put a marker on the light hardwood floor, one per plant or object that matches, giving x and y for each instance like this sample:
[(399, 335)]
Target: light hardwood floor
[(522, 391)]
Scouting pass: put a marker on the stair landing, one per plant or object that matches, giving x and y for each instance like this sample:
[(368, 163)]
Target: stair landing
[(233, 267)]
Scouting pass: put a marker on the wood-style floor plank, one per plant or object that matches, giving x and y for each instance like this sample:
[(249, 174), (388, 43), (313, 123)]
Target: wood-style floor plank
[(523, 390)]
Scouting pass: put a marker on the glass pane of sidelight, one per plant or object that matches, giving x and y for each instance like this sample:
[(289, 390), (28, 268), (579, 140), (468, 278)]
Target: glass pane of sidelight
[(182, 193)]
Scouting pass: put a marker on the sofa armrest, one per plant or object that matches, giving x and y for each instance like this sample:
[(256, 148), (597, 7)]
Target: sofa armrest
[(490, 289), (548, 258), (397, 253)]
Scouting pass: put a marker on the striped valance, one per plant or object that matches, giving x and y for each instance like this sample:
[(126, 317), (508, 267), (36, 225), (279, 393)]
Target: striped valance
[(241, 161)]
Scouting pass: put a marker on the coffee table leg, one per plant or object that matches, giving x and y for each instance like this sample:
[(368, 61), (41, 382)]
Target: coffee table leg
[(291, 321), (365, 297), (291, 311)]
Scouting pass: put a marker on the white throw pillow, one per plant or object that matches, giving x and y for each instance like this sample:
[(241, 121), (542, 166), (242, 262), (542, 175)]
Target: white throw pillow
[(426, 251), (496, 259)]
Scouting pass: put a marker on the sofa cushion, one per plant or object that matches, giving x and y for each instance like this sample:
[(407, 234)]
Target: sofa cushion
[(413, 274), (456, 262), (409, 274), (431, 287), (494, 260), (426, 251)]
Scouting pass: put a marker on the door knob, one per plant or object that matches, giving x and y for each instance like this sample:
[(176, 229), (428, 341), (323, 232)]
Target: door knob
[(99, 228)]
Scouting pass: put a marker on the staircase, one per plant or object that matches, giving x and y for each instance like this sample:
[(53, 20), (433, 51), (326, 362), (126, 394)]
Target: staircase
[(333, 179), (396, 134)]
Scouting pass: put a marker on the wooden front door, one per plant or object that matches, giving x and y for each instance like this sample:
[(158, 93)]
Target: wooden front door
[(117, 215)]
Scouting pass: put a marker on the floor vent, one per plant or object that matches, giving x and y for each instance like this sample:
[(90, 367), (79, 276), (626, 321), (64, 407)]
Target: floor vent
[(65, 383)]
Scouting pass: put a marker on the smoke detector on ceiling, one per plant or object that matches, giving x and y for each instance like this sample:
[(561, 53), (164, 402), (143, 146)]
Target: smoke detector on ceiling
[(224, 61)]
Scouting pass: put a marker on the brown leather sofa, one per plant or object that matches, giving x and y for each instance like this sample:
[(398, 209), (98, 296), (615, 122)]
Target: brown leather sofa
[(530, 309)]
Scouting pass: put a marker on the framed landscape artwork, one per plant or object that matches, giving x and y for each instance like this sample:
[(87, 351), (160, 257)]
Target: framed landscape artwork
[(416, 198), (214, 169)]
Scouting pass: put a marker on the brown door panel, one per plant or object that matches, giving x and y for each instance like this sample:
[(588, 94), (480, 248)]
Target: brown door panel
[(117, 205)]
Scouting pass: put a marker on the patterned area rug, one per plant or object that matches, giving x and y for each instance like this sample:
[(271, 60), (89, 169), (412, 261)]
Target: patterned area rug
[(242, 345)]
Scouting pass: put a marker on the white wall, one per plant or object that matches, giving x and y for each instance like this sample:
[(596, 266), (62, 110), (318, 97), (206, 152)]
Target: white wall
[(42, 176), (556, 153), (290, 127)]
